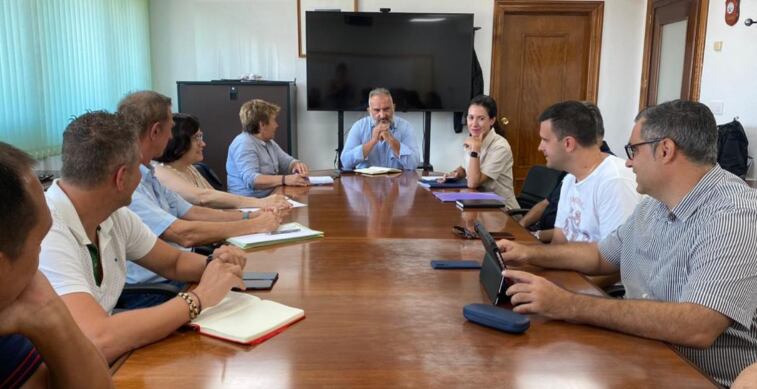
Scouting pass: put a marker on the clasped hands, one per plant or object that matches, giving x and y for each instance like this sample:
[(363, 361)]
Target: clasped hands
[(381, 132)]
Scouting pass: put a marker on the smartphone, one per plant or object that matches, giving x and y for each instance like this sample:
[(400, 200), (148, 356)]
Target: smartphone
[(454, 264), (257, 285), (254, 275)]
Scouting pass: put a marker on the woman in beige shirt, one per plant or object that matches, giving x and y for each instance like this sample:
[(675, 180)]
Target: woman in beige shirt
[(175, 170), (488, 157)]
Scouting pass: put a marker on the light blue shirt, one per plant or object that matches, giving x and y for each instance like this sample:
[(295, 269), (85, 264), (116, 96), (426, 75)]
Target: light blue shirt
[(382, 153), (158, 207), (250, 156)]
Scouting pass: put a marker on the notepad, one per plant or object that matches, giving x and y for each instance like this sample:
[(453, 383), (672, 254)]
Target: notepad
[(289, 232), (244, 318), (455, 196), (295, 204), (321, 180), (373, 170)]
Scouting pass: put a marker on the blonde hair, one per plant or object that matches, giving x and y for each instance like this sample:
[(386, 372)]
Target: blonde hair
[(254, 112)]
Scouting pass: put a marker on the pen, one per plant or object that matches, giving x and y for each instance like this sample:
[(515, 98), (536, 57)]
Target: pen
[(284, 231)]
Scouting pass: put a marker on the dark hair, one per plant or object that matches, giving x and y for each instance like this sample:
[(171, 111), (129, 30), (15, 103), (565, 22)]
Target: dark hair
[(491, 109), (572, 118), (94, 144), (597, 115), (17, 211), (184, 127), (145, 108), (689, 124), (255, 111)]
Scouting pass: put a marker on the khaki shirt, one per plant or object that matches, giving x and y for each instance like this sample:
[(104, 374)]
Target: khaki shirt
[(497, 164)]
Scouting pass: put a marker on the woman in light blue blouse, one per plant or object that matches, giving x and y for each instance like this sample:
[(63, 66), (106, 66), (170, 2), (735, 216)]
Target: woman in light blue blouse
[(255, 163)]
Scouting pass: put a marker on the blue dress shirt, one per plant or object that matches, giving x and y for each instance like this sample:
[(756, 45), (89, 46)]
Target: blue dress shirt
[(250, 156), (158, 207), (381, 154)]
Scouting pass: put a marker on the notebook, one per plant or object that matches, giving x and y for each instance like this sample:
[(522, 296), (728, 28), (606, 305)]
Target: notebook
[(244, 318), (449, 184), (289, 232), (321, 180), (455, 196), (467, 204), (373, 170)]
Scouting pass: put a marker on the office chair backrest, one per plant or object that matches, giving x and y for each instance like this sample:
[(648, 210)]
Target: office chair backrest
[(209, 175), (538, 184)]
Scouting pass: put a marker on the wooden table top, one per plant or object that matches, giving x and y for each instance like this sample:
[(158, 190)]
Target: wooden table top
[(377, 315)]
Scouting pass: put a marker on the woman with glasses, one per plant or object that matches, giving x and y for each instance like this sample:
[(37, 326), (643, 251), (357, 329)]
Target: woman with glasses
[(175, 170), (488, 157)]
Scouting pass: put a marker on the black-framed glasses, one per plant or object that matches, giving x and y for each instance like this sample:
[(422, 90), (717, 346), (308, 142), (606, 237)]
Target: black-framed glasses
[(631, 148)]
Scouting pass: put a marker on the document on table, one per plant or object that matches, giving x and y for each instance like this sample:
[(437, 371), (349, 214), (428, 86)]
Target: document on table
[(321, 180), (295, 204)]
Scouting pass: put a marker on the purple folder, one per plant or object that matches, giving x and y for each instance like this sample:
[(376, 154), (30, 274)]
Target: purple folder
[(455, 196)]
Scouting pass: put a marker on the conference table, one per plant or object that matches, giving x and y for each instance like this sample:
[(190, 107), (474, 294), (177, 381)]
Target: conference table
[(378, 315)]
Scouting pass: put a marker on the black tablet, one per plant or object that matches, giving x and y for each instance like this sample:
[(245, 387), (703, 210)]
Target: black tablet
[(491, 267)]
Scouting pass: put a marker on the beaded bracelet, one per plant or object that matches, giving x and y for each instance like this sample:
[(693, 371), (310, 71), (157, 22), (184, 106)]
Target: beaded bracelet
[(194, 309)]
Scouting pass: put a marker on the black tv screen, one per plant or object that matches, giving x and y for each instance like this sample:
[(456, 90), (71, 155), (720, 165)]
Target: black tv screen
[(423, 59)]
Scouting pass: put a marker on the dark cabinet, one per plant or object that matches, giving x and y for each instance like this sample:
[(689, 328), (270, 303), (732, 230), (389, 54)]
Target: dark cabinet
[(216, 104)]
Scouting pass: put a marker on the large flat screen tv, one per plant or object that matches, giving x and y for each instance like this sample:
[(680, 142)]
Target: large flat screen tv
[(423, 59)]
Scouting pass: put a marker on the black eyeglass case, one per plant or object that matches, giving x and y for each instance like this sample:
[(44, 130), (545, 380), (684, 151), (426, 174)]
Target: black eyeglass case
[(498, 318)]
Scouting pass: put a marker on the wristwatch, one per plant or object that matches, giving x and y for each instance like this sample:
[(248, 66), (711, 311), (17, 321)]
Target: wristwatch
[(473, 154)]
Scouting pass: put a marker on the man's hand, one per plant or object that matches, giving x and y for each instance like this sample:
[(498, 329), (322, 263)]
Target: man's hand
[(267, 221), (34, 311), (276, 201), (296, 180), (217, 279), (300, 168), (514, 253), (230, 254), (473, 143), (533, 294)]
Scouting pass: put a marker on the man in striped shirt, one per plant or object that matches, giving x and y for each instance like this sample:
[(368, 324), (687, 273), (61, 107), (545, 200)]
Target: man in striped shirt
[(687, 255), (40, 344)]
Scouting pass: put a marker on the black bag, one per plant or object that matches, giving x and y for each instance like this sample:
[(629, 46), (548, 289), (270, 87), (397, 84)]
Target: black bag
[(732, 148)]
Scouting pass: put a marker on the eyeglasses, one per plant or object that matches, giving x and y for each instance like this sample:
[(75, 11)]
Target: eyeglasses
[(631, 148), (197, 137)]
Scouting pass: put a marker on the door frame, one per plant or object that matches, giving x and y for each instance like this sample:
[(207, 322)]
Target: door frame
[(696, 32), (595, 10)]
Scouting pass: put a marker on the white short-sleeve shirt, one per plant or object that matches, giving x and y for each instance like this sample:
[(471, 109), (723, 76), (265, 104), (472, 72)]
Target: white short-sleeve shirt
[(65, 258), (591, 209)]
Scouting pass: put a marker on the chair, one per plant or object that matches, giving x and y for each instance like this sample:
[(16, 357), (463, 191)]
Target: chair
[(209, 175), (538, 184)]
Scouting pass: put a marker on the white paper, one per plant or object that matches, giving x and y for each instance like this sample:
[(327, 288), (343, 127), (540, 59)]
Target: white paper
[(295, 204), (321, 180), (262, 237)]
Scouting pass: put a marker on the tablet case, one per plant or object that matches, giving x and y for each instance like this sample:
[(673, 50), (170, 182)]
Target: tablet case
[(492, 265), (454, 264), (497, 318)]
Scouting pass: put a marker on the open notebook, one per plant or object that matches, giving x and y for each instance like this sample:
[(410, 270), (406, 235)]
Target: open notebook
[(373, 170), (244, 318), (288, 232)]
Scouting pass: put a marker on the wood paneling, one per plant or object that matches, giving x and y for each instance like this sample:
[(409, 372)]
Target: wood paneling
[(377, 315), (543, 53), (659, 13)]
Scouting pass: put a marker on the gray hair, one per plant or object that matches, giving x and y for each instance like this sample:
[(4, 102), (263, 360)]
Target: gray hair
[(689, 124), (95, 144), (379, 91), (145, 108)]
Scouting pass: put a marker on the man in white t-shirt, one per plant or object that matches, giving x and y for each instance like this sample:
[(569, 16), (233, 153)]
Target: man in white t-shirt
[(599, 191), (93, 235)]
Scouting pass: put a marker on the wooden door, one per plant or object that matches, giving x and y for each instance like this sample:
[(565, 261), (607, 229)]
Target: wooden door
[(673, 50), (544, 52)]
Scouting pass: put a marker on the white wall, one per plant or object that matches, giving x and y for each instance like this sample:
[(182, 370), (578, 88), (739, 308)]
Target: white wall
[(730, 76), (200, 40)]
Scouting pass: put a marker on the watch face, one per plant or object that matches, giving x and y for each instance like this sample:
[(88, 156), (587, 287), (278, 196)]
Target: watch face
[(730, 7)]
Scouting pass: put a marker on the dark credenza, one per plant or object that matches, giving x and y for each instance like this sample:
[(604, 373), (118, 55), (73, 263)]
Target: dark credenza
[(216, 104)]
